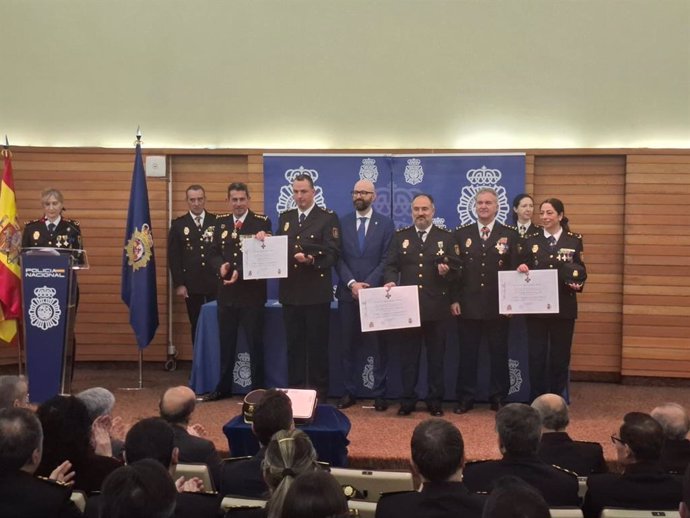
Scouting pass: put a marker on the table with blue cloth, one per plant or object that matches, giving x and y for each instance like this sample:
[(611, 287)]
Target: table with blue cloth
[(328, 433)]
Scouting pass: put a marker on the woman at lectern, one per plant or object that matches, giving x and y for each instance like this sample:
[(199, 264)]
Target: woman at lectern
[(52, 230), (550, 335)]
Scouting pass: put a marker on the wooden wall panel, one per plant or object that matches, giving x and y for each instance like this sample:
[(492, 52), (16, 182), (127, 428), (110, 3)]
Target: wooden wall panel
[(656, 301), (592, 189)]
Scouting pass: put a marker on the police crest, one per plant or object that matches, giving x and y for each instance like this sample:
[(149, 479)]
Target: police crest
[(44, 308), (368, 373), (139, 248), (515, 376), (368, 170), (242, 372), (414, 173)]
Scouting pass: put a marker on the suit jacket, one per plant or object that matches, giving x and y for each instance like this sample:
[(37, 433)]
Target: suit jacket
[(244, 477), (481, 261), (197, 449), (226, 248), (24, 496), (188, 254), (188, 505), (558, 486), (412, 262), (435, 500), (362, 265), (584, 458), (675, 455), (643, 486), (538, 255), (308, 284)]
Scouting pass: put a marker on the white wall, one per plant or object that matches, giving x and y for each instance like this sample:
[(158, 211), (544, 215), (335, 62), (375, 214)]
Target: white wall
[(346, 74)]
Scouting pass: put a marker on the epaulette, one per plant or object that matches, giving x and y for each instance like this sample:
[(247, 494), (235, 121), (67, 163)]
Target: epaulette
[(444, 229), (224, 215), (326, 210), (511, 227), (231, 460), (288, 210), (51, 481), (202, 493), (565, 470), (72, 221), (575, 235), (404, 228), (261, 216), (29, 222), (465, 225)]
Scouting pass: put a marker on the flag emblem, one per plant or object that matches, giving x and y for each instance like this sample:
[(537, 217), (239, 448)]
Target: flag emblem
[(138, 248)]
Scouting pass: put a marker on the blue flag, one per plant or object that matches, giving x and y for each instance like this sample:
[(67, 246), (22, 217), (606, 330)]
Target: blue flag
[(138, 260)]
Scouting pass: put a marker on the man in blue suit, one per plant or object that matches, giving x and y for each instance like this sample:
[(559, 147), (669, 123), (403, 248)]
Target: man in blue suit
[(365, 239)]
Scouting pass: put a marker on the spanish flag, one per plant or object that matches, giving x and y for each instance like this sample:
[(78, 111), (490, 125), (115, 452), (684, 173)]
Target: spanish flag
[(10, 299)]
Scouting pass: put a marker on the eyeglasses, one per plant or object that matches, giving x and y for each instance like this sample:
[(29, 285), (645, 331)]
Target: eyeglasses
[(361, 193), (615, 439)]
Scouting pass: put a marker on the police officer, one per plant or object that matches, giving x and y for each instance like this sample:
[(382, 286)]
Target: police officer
[(188, 243), (52, 230), (422, 255), (240, 302), (313, 248)]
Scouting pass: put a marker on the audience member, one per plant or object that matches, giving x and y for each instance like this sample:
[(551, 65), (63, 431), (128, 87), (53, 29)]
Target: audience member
[(244, 477), (176, 407), (21, 494), (315, 494), (643, 484), (14, 392), (152, 438), (140, 490), (67, 435), (675, 454), (100, 402), (519, 433), (438, 457), (515, 498), (556, 446)]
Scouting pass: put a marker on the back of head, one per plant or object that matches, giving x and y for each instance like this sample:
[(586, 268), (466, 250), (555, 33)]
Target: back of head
[(519, 429), (150, 438), (438, 451), (512, 497), (177, 404), (553, 411), (673, 420), (643, 435), (99, 401), (272, 414), (20, 435), (66, 430), (289, 454), (140, 490), (13, 391), (316, 494)]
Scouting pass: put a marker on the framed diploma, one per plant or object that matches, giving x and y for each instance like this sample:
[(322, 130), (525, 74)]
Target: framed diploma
[(381, 309), (528, 293), (265, 259)]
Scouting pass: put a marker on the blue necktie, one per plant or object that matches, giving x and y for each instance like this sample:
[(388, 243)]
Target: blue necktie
[(552, 241), (302, 217), (51, 227), (361, 232)]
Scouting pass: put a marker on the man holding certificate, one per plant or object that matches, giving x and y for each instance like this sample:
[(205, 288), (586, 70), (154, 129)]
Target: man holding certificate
[(313, 248), (240, 302), (426, 256)]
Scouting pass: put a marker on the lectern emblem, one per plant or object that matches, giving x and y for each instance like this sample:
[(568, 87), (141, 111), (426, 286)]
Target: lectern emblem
[(44, 308), (242, 373)]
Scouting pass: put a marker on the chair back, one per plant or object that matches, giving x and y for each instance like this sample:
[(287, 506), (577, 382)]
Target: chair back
[(370, 484)]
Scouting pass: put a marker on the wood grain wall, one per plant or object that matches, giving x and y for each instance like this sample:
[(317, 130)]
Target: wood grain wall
[(633, 312)]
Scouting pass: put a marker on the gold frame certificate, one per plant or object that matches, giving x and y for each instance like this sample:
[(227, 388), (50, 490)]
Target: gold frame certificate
[(265, 259), (528, 293), (381, 309)]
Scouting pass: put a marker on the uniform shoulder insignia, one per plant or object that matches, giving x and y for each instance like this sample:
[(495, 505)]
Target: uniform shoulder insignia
[(31, 221), (465, 225), (261, 216), (72, 221), (287, 211), (443, 229), (326, 210), (575, 235), (224, 215), (511, 227), (51, 481), (565, 470), (393, 493), (404, 228)]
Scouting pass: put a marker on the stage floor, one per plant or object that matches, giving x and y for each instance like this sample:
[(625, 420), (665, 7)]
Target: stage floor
[(382, 439)]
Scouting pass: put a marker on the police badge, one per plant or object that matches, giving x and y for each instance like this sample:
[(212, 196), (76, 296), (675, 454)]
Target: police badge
[(502, 245)]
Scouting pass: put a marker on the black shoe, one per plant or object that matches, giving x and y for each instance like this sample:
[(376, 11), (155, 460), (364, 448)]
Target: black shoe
[(463, 407), (215, 396), (435, 409), (380, 405), (346, 401), (406, 408)]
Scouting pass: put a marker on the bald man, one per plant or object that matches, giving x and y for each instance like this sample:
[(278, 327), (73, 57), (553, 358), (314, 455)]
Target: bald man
[(675, 454), (176, 407), (365, 238), (556, 446)]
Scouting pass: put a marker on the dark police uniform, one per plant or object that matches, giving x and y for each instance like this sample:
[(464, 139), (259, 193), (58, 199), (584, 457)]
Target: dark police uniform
[(478, 297), (187, 259), (435, 500), (240, 304), (243, 476), (675, 455), (644, 485), (551, 335), (583, 458), (412, 261), (559, 487), (306, 295), (24, 496)]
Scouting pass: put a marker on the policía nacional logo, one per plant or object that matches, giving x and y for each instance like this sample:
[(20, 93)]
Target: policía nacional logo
[(368, 373), (368, 170), (515, 376), (285, 199), (481, 178), (44, 308), (139, 247), (242, 372), (414, 173)]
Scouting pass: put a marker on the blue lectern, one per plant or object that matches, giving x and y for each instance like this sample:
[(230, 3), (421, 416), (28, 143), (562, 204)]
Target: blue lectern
[(49, 293)]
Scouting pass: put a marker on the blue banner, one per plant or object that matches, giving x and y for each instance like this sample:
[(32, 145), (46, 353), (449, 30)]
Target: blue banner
[(138, 260)]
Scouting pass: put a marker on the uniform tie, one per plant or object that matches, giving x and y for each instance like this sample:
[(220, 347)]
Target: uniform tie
[(523, 229), (197, 219), (485, 233), (552, 241), (361, 232), (302, 217), (51, 227), (421, 234), (238, 224)]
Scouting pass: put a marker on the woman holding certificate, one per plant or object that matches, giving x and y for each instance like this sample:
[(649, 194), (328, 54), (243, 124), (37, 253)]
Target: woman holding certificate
[(550, 336)]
